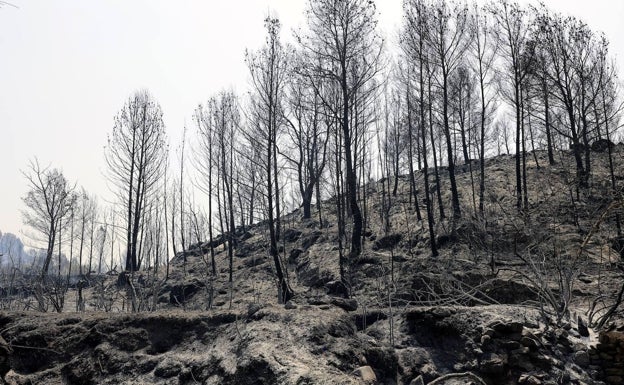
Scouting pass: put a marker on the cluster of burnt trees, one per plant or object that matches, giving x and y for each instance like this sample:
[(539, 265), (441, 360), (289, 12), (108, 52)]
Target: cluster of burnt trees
[(342, 106), (66, 218)]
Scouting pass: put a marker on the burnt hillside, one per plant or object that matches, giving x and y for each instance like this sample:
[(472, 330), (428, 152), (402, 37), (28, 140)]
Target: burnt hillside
[(507, 300)]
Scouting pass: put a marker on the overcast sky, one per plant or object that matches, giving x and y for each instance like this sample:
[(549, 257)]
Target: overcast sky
[(67, 66)]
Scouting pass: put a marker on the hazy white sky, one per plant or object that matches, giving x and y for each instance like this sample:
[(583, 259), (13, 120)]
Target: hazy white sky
[(67, 66)]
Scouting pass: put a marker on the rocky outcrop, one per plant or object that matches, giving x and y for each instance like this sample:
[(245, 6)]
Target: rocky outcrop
[(607, 357)]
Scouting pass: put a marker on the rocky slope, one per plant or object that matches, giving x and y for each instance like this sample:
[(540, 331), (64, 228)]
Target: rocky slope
[(480, 313)]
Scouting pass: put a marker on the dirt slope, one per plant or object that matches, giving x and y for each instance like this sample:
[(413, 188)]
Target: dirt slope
[(471, 315)]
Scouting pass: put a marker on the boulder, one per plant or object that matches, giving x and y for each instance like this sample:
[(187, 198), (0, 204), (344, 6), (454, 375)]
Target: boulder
[(366, 373)]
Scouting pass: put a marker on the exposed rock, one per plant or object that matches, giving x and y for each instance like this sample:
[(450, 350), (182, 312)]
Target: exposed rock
[(366, 373), (417, 381), (13, 378)]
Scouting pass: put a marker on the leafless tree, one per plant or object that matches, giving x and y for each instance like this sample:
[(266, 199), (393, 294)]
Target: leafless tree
[(268, 68), (48, 202), (449, 40), (575, 55), (226, 119), (205, 164), (483, 51), (513, 28), (308, 134), (347, 50), (415, 47), (87, 212), (136, 154)]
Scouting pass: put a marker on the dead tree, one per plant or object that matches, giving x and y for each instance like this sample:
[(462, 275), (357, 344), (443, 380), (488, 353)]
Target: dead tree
[(574, 55), (343, 40), (414, 46), (484, 51), (268, 69), (136, 154), (308, 136), (513, 27), (48, 201), (449, 40), (205, 164)]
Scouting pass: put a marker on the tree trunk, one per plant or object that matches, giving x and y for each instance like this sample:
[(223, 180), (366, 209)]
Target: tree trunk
[(518, 145), (423, 131), (410, 150), (356, 235), (449, 148)]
